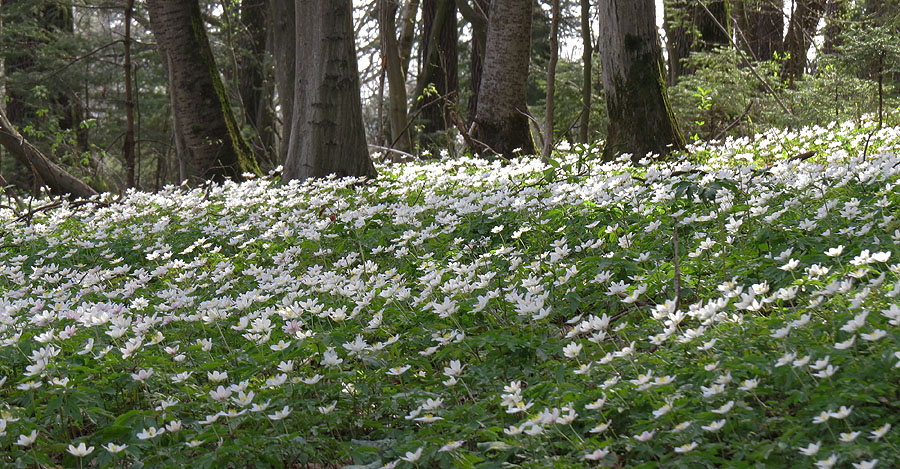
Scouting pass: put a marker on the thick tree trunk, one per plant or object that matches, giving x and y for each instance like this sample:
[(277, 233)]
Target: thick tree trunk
[(501, 121), (801, 30), (216, 148), (327, 135), (439, 65), (284, 41), (640, 117), (400, 137), (550, 101), (253, 86), (587, 55), (59, 181)]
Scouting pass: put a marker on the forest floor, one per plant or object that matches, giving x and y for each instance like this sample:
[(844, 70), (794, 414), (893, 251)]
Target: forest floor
[(735, 308)]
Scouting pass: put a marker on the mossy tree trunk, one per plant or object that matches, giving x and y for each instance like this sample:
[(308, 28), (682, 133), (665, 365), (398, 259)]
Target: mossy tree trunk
[(215, 148), (640, 117), (327, 134), (501, 121)]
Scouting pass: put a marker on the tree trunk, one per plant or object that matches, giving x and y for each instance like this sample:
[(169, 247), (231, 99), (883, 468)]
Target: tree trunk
[(128, 147), (400, 137), (476, 15), (215, 146), (689, 28), (60, 181), (801, 30), (587, 63), (764, 28), (284, 41), (640, 117), (327, 135), (836, 13), (253, 86), (439, 65), (501, 121), (551, 80), (407, 33)]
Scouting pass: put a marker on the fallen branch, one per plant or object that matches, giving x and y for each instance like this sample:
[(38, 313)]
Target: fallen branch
[(734, 122), (59, 180)]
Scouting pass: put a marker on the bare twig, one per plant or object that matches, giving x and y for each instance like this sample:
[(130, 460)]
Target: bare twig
[(734, 122)]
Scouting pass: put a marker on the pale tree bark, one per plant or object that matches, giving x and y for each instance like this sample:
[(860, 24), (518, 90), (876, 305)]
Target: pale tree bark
[(400, 137), (327, 135), (215, 148), (51, 174), (587, 43), (551, 80), (284, 42), (500, 121), (640, 117)]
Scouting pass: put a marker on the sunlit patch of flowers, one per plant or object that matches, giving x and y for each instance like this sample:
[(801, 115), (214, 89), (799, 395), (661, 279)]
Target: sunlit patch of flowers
[(737, 308)]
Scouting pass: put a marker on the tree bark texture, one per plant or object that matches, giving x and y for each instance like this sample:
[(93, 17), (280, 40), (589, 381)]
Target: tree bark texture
[(215, 147), (587, 43), (640, 117), (59, 181), (550, 101), (439, 64), (689, 28), (284, 42), (253, 83), (501, 121), (478, 18), (390, 56), (327, 135), (801, 30)]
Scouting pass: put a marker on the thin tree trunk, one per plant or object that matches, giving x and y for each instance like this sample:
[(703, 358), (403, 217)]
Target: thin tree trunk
[(476, 15), (400, 137), (641, 121), (801, 30), (587, 60), (551, 80), (836, 13), (282, 17), (439, 64), (689, 28), (216, 148), (128, 148), (60, 181), (252, 73), (501, 122), (407, 33), (327, 135)]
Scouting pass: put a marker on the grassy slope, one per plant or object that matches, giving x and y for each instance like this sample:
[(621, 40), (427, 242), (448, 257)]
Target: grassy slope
[(553, 288)]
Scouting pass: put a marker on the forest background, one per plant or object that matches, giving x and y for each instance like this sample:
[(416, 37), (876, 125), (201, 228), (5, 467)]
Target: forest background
[(85, 83)]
